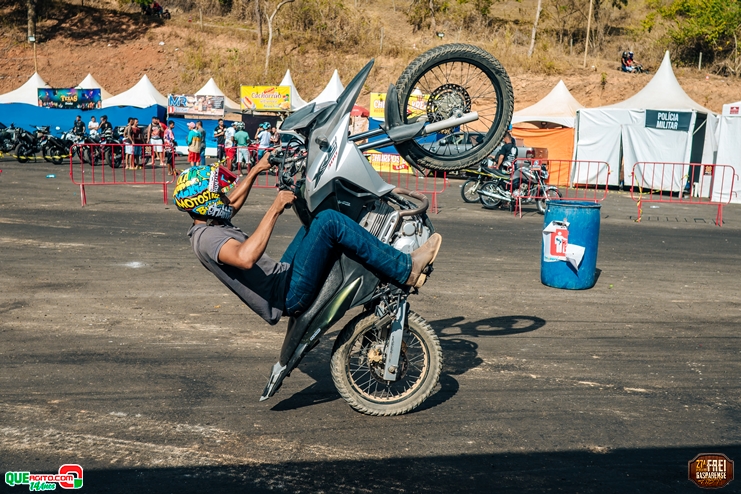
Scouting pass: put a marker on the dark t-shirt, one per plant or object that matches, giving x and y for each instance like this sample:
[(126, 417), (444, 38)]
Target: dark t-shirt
[(509, 151), (263, 287), (219, 134)]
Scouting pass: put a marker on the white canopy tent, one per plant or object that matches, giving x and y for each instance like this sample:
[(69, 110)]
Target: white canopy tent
[(332, 91), (142, 95), (89, 82), (211, 89), (296, 100), (729, 153), (557, 107), (659, 124), (28, 93)]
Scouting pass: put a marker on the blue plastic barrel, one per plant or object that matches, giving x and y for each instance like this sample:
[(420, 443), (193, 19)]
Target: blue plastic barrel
[(574, 224)]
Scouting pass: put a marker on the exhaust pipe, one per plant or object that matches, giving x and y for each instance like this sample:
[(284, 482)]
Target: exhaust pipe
[(451, 122), (494, 195)]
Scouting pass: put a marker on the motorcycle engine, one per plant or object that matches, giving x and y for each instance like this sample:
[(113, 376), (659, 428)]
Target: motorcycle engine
[(380, 221), (412, 234)]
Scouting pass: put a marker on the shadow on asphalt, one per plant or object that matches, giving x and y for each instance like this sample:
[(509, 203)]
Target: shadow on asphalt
[(654, 470), (459, 356)]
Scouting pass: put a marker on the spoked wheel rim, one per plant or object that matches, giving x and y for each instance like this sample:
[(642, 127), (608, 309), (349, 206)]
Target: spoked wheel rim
[(365, 366), (449, 89), (470, 191)]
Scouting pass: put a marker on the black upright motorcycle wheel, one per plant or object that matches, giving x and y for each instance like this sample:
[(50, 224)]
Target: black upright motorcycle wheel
[(357, 366), (22, 154), (444, 82), (46, 153), (470, 190), (487, 201)]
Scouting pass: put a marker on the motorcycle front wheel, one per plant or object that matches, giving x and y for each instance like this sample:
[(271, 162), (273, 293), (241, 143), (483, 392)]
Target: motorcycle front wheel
[(22, 154), (448, 81), (358, 366), (470, 190), (487, 201), (551, 193)]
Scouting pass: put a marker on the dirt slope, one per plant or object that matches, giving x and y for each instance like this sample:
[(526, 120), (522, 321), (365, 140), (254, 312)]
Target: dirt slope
[(119, 47)]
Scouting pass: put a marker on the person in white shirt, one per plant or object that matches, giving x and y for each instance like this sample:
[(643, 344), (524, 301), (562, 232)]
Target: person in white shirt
[(264, 138), (230, 151), (92, 126)]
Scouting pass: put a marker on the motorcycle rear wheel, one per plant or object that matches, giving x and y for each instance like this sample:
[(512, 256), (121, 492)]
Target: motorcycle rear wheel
[(445, 81), (469, 190), (551, 193), (358, 374), (486, 201)]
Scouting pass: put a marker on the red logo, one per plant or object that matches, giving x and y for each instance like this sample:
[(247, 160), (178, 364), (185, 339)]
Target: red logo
[(71, 469), (734, 110), (559, 241), (711, 470)]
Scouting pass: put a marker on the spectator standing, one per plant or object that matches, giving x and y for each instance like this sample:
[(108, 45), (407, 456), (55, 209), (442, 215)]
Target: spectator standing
[(92, 126), (78, 128), (194, 145), (137, 139), (242, 139), (220, 140), (199, 128), (264, 138), (128, 145), (230, 150), (154, 137), (169, 137), (274, 137)]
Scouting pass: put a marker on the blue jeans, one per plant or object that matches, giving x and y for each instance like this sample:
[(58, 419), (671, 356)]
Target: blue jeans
[(313, 252)]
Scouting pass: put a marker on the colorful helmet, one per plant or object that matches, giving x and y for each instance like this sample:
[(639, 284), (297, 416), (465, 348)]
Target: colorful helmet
[(265, 125), (198, 192)]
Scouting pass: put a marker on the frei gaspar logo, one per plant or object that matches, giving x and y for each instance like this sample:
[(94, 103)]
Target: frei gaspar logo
[(68, 477), (711, 470)]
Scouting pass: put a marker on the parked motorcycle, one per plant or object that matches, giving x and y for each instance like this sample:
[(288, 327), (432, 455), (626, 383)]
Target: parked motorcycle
[(480, 176), (8, 138), (386, 360), (29, 143), (526, 184)]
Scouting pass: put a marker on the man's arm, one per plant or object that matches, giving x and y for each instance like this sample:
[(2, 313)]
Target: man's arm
[(245, 254), (236, 197)]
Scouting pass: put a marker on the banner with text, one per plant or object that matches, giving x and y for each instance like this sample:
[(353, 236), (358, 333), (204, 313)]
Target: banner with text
[(195, 104), (668, 120), (416, 104), (389, 163), (265, 98), (70, 98)]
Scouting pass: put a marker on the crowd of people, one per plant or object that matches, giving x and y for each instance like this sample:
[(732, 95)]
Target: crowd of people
[(232, 143)]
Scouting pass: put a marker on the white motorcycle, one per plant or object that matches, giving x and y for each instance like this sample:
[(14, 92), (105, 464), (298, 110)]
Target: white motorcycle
[(387, 360)]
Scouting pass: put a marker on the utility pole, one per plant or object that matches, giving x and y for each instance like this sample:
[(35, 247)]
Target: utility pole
[(589, 27)]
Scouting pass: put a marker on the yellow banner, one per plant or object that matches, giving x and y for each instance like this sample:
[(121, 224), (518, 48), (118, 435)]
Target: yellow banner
[(377, 104), (417, 103), (388, 163), (265, 98)]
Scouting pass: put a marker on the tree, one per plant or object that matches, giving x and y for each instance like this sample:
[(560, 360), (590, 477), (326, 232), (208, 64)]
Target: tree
[(270, 32), (422, 12), (258, 16), (708, 26)]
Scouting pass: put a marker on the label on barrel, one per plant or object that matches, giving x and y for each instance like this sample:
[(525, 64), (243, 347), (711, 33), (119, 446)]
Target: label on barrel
[(555, 241)]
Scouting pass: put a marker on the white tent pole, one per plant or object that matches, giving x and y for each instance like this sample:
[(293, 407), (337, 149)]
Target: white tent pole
[(589, 27)]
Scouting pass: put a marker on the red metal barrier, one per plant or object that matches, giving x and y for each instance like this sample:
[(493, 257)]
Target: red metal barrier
[(105, 164), (686, 183), (567, 180), (431, 185)]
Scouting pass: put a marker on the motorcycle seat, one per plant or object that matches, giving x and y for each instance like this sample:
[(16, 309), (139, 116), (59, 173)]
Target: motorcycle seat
[(497, 173)]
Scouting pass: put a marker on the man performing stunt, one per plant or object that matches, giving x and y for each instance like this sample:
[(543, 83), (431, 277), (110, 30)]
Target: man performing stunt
[(272, 288)]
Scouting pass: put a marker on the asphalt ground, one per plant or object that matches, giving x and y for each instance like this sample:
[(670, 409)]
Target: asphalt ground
[(119, 352)]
